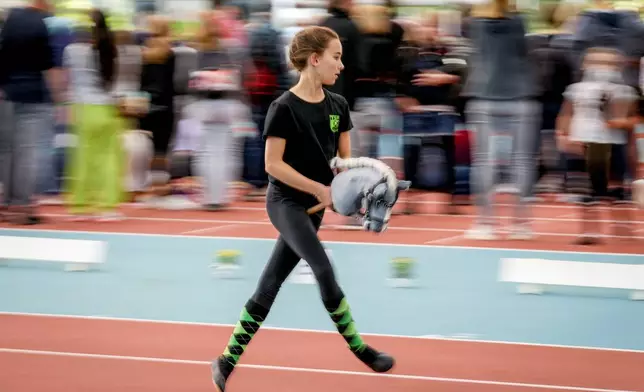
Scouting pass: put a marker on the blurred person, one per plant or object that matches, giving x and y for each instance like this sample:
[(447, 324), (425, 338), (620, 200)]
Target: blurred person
[(95, 179), (137, 144), (186, 186), (501, 92), (230, 18), (186, 61), (596, 115), (186, 144), (157, 80), (56, 145), (601, 24), (29, 81), (305, 128), (341, 22), (267, 81), (375, 86), (427, 97), (219, 107), (605, 24), (550, 50)]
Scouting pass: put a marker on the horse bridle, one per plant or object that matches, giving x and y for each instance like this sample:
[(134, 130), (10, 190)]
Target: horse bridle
[(368, 198)]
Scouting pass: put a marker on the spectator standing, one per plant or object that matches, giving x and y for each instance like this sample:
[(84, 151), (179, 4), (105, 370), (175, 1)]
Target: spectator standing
[(501, 90), (26, 77), (340, 21)]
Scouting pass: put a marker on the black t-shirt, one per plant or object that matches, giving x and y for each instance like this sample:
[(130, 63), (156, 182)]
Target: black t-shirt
[(312, 132), (25, 53)]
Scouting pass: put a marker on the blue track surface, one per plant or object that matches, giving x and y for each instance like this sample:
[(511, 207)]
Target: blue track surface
[(170, 278)]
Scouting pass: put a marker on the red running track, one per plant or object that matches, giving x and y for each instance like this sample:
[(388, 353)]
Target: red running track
[(556, 226), (48, 353)]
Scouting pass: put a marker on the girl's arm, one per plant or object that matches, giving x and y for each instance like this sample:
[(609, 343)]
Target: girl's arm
[(276, 167), (344, 145), (563, 130)]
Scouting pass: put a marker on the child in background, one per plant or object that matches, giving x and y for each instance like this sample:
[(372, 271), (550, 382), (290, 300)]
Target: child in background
[(96, 167), (591, 121)]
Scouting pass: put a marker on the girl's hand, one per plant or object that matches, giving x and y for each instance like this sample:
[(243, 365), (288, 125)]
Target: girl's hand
[(324, 196)]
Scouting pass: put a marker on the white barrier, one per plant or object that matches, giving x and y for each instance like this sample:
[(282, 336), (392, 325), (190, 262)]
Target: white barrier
[(78, 255), (533, 275)]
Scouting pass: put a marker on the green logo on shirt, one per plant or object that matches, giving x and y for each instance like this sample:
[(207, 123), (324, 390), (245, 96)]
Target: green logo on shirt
[(334, 122)]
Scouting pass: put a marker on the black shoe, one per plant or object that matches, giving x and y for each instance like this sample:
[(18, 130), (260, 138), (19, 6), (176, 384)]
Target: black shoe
[(378, 361), (221, 369)]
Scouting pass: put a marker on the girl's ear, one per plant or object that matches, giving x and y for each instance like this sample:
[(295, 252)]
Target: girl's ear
[(315, 59)]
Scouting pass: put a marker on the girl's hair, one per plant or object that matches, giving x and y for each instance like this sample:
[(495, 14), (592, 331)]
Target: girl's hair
[(313, 39), (103, 41)]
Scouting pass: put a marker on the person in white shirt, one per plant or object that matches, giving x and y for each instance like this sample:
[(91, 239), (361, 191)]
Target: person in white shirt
[(588, 127)]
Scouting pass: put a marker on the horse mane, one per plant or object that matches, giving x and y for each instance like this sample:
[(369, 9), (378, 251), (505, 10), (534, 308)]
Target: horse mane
[(351, 163)]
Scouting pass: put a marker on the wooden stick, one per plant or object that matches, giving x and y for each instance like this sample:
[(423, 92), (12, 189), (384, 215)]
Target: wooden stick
[(315, 209)]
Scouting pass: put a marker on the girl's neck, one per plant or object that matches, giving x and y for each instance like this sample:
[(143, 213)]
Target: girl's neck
[(308, 89)]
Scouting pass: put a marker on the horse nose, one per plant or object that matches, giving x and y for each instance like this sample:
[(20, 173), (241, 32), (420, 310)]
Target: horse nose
[(381, 228), (375, 227)]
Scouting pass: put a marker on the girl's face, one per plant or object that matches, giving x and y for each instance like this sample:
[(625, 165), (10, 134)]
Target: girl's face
[(329, 65), (602, 66)]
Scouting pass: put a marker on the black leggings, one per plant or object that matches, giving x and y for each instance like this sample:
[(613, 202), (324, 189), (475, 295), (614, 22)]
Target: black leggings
[(298, 239)]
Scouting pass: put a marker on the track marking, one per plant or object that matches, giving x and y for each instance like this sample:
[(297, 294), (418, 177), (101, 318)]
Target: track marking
[(446, 239), (209, 229), (308, 370), (397, 228), (567, 206), (351, 243), (572, 217), (213, 228), (314, 331)]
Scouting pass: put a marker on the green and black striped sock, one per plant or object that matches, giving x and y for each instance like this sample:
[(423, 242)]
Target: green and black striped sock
[(343, 320), (251, 318)]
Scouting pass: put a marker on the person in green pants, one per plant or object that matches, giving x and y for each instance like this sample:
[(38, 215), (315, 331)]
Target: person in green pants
[(97, 163)]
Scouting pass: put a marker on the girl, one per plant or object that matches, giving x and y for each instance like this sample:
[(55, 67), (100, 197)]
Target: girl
[(97, 162), (305, 128), (597, 116)]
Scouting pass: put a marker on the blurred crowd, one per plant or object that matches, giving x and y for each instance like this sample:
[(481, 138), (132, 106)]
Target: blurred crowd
[(467, 102)]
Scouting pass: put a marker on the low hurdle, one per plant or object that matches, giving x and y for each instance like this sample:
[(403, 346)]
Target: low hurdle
[(77, 255), (533, 276)]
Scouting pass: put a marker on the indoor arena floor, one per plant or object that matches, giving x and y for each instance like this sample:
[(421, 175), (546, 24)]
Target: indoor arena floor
[(154, 314)]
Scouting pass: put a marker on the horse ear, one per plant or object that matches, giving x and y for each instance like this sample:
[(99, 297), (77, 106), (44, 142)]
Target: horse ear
[(403, 185)]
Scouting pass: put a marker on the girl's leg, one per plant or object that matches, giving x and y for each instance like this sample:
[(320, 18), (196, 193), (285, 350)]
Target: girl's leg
[(298, 240)]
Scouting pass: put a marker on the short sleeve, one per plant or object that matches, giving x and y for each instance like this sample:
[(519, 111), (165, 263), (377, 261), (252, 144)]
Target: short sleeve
[(624, 93), (345, 120), (66, 58), (279, 122), (570, 92)]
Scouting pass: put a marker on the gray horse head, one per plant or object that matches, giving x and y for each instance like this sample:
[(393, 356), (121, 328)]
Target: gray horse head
[(368, 193), (379, 203)]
